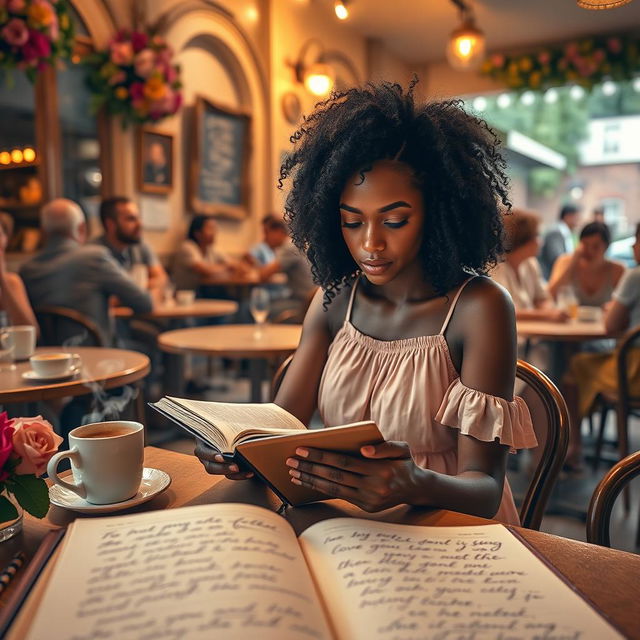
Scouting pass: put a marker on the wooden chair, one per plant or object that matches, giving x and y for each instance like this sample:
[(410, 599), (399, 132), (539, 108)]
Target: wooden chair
[(57, 321), (604, 497), (550, 408), (621, 401)]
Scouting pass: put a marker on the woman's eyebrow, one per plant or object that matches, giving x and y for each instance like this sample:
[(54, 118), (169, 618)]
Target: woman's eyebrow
[(387, 207)]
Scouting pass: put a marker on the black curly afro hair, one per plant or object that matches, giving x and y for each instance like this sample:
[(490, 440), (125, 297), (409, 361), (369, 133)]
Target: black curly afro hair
[(455, 161)]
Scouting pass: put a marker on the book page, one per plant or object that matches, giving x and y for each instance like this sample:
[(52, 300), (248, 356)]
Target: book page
[(382, 580), (235, 418), (224, 570)]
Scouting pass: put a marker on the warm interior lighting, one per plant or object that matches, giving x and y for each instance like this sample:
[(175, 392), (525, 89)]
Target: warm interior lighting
[(5, 157), (29, 154), (340, 7), (318, 79), (465, 49), (601, 4), (16, 156)]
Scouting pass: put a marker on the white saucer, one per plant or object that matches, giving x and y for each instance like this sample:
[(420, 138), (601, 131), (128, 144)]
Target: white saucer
[(34, 377), (153, 483)]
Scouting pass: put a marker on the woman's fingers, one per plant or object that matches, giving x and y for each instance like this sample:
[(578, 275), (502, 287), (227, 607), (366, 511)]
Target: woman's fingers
[(386, 450), (215, 464), (299, 469)]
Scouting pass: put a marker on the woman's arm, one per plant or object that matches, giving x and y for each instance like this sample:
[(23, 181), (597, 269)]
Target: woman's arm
[(14, 299), (562, 272), (485, 324)]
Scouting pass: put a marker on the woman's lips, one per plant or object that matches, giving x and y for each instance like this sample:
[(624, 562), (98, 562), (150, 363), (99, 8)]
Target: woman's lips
[(375, 267)]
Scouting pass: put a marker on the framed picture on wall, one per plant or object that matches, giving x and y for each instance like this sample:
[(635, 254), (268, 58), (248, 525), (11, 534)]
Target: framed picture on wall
[(155, 161), (220, 143)]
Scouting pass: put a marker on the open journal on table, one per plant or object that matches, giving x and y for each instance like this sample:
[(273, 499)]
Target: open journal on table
[(260, 437), (238, 571)]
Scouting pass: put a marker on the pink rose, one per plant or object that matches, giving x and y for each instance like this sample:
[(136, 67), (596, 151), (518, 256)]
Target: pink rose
[(15, 32), (34, 441), (544, 57), (144, 63), (6, 443), (37, 47), (139, 41), (17, 6), (614, 45), (137, 91), (121, 53)]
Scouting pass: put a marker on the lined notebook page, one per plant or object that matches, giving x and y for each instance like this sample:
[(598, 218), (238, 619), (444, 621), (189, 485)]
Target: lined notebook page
[(404, 582), (226, 570)]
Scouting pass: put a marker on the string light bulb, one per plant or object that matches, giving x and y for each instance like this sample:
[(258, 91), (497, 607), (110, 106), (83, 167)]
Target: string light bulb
[(16, 156), (341, 9), (466, 46), (28, 154)]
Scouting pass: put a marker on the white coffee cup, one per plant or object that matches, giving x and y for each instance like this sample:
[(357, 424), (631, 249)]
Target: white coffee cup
[(106, 460), (185, 297), (21, 338), (49, 365)]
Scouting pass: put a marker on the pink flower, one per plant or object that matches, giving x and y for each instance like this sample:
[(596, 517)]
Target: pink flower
[(571, 50), (37, 47), (614, 45), (6, 443), (139, 41), (117, 78), (170, 74), (54, 29), (16, 6), (15, 32), (599, 55), (137, 91), (34, 441), (544, 57), (121, 53), (497, 59), (144, 63)]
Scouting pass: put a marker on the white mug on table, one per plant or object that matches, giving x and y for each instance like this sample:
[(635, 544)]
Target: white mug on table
[(21, 339)]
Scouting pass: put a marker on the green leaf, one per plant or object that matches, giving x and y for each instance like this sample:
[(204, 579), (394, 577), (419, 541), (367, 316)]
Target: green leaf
[(7, 510), (32, 494)]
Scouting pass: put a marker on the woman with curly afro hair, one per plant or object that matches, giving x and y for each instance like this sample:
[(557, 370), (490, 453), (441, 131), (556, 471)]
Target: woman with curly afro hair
[(398, 209)]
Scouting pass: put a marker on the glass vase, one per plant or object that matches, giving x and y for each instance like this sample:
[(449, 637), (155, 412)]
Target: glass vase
[(10, 528)]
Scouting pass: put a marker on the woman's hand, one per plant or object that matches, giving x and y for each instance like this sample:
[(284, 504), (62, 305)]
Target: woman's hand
[(214, 463), (387, 476)]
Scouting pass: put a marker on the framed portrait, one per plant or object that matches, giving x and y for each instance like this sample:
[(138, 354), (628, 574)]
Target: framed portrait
[(155, 161), (221, 144)]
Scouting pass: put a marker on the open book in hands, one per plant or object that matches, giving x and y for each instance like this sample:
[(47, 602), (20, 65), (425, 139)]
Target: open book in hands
[(260, 438)]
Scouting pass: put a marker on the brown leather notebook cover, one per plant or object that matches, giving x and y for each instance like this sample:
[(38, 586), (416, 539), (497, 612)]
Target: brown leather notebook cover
[(267, 456)]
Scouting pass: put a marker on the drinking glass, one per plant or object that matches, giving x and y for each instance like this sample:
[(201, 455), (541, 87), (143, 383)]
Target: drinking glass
[(568, 301), (259, 307)]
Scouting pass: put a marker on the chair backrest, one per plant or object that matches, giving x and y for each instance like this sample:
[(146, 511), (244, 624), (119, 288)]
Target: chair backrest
[(604, 497), (626, 343), (551, 408), (58, 324), (549, 411)]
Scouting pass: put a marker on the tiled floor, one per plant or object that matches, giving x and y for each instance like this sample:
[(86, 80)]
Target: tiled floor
[(568, 505)]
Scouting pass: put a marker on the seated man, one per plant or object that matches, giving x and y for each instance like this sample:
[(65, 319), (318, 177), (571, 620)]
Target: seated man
[(274, 235), (120, 219), (67, 274)]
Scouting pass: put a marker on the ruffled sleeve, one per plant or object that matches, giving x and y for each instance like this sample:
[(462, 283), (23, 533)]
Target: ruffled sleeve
[(487, 417)]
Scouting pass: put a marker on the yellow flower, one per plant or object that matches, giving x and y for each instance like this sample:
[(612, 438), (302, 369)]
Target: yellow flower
[(40, 15), (534, 79), (154, 88), (64, 21), (121, 93), (525, 64), (512, 69)]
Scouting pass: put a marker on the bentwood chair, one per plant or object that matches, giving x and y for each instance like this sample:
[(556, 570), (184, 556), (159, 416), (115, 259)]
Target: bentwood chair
[(57, 323), (604, 497), (551, 419)]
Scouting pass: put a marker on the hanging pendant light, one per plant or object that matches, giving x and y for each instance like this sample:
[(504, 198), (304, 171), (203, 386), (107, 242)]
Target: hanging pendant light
[(466, 46), (601, 4)]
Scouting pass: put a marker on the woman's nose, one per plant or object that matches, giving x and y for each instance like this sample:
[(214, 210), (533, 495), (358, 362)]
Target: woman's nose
[(373, 240)]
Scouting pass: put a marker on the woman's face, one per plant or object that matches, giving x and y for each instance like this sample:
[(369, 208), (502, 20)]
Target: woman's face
[(382, 220), (592, 248), (207, 234)]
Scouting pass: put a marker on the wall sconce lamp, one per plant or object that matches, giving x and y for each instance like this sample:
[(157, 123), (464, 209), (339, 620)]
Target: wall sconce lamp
[(341, 9), (601, 4), (312, 71), (466, 43)]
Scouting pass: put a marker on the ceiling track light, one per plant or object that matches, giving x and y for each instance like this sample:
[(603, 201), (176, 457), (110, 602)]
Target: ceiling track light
[(466, 46)]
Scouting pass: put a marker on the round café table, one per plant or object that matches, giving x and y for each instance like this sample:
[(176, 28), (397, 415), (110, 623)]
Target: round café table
[(236, 341), (201, 308), (108, 368), (571, 331)]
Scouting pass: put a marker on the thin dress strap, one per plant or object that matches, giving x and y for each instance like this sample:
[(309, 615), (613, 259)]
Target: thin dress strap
[(453, 304), (351, 298)]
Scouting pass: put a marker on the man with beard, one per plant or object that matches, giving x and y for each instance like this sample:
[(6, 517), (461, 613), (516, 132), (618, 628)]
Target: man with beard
[(120, 218)]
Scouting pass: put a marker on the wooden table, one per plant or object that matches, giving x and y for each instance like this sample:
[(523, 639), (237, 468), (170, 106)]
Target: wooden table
[(609, 578), (572, 331), (201, 308), (236, 341), (109, 368)]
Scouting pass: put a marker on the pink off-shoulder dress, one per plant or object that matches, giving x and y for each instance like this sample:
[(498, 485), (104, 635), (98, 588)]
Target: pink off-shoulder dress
[(412, 391)]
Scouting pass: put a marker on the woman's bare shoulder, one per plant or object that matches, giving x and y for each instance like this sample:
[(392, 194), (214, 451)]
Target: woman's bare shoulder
[(13, 279)]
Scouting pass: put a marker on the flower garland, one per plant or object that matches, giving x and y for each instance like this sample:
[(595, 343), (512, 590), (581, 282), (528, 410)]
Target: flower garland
[(26, 445), (34, 33), (135, 78), (584, 62)]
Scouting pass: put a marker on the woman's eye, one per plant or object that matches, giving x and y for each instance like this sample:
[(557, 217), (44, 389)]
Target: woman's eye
[(395, 225), (350, 225)]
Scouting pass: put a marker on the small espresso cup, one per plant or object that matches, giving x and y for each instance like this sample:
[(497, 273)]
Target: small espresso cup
[(21, 338), (185, 297), (106, 461), (49, 365)]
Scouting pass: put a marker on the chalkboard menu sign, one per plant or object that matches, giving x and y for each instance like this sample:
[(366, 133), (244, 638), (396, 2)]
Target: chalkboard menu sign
[(221, 144)]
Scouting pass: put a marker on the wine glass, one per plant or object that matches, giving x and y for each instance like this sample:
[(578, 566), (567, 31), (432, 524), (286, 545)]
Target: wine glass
[(567, 300), (259, 307)]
